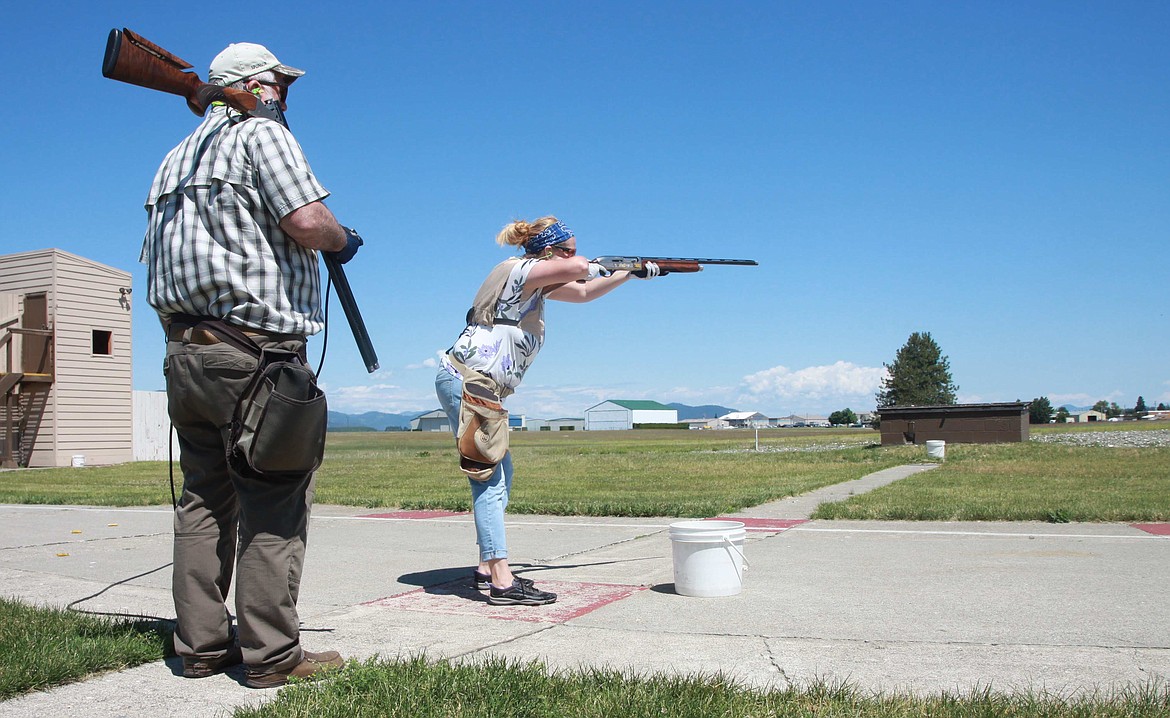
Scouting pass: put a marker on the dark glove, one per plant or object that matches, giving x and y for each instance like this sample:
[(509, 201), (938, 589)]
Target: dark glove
[(352, 241)]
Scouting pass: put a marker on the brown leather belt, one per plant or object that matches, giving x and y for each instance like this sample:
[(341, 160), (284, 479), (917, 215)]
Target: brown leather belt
[(194, 335)]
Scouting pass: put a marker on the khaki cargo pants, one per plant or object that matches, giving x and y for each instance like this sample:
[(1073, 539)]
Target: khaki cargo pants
[(220, 509)]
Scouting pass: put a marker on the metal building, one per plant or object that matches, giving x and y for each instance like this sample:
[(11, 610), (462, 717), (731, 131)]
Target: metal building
[(564, 424), (435, 420), (618, 414), (65, 375), (746, 419)]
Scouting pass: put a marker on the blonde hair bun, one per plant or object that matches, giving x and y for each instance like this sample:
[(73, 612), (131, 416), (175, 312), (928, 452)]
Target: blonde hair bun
[(516, 234)]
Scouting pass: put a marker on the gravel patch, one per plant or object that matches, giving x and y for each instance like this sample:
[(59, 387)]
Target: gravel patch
[(1157, 438), (1124, 439), (808, 448)]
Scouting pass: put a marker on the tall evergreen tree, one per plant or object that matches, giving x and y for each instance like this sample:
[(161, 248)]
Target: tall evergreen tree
[(1140, 408), (1040, 411), (919, 376)]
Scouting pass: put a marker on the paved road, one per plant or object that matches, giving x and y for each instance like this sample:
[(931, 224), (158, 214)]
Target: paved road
[(923, 607)]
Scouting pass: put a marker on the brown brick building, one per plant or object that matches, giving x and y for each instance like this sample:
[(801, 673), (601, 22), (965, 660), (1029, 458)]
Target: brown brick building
[(955, 423)]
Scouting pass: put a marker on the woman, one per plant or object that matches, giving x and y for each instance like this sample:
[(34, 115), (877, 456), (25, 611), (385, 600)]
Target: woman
[(505, 330)]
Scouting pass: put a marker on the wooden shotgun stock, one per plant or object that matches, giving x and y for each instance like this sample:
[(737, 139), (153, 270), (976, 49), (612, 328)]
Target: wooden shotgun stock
[(133, 59)]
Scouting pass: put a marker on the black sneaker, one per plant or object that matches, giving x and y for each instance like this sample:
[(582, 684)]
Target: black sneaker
[(520, 593), (483, 581)]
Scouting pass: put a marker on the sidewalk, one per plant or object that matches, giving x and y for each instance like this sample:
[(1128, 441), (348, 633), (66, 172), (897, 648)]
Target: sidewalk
[(925, 607)]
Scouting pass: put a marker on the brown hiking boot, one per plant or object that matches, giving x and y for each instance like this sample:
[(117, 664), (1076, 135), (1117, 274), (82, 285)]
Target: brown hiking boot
[(312, 665), (194, 667)]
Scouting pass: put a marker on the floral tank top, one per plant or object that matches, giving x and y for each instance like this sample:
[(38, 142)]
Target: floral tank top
[(505, 350)]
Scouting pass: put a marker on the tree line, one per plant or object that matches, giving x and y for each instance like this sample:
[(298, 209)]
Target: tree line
[(920, 375), (1041, 411)]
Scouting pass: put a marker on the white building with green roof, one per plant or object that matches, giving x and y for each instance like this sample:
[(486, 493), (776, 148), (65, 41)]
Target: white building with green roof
[(617, 414)]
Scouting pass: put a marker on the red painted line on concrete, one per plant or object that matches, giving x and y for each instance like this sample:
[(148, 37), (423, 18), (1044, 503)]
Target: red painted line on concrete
[(460, 598), (602, 594), (416, 515), (1156, 529), (763, 524)]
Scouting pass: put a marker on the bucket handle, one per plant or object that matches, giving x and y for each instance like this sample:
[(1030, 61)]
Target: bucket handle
[(742, 558)]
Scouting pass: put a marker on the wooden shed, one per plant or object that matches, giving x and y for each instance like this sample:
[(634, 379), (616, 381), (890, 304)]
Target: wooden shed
[(955, 423), (65, 361)]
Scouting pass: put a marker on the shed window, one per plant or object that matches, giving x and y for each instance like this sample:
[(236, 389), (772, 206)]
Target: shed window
[(103, 342)]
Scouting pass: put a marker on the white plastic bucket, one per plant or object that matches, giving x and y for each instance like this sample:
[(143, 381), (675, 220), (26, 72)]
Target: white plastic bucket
[(708, 557), (936, 449), (79, 460)]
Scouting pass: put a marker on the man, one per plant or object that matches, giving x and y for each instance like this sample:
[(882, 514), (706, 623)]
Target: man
[(235, 221)]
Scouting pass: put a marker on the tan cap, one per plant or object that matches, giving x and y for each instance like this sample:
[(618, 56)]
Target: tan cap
[(242, 60)]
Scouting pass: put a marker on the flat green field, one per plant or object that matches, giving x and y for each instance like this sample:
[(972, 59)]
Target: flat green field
[(1031, 481), (704, 473)]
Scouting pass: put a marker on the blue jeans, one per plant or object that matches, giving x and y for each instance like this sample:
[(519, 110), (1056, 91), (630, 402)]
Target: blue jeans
[(488, 498)]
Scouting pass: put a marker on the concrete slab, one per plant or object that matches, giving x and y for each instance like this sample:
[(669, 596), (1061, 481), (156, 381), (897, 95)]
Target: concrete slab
[(918, 607)]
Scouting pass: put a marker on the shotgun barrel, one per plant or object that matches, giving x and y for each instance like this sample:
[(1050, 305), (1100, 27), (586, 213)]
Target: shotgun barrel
[(349, 305), (668, 264)]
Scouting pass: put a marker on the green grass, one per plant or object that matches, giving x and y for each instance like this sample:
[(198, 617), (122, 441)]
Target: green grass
[(693, 473), (617, 473), (45, 647), (627, 473), (1024, 482), (496, 687), (41, 648)]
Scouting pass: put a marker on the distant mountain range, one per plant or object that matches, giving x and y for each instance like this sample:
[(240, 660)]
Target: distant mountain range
[(377, 420), (381, 421)]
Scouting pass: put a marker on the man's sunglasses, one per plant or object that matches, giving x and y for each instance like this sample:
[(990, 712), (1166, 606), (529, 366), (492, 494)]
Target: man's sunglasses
[(282, 88)]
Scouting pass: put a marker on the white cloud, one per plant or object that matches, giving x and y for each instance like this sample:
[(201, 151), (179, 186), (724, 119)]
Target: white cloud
[(390, 398), (429, 363), (815, 388), (779, 390)]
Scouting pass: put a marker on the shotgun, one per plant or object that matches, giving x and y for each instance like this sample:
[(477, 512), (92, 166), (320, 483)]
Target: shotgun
[(133, 59), (666, 265)]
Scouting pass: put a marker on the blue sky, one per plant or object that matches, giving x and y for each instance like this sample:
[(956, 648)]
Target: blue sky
[(994, 173)]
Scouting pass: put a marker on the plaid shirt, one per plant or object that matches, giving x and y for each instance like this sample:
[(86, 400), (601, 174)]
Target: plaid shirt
[(213, 244)]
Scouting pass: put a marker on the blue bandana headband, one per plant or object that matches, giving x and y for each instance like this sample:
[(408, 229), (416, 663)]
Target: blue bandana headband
[(555, 233)]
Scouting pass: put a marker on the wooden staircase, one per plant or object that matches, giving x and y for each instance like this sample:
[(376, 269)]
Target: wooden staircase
[(23, 390)]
